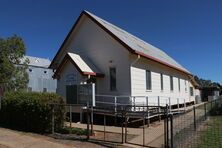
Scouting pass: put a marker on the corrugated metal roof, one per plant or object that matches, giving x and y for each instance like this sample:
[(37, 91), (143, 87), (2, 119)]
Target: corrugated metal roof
[(137, 44), (36, 61)]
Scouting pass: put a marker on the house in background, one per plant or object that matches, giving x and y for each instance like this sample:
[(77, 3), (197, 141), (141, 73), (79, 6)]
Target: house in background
[(210, 93), (119, 64), (40, 76)]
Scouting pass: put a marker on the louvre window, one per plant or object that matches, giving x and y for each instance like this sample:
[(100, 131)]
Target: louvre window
[(171, 83), (148, 80), (161, 81), (112, 72), (191, 91)]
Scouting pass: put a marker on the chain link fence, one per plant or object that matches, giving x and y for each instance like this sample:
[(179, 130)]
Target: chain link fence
[(198, 127)]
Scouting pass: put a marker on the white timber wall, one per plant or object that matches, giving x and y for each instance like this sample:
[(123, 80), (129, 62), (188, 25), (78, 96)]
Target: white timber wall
[(103, 51), (69, 76), (138, 82)]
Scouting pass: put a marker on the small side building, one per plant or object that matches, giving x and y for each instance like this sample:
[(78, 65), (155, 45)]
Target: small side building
[(210, 93), (40, 76)]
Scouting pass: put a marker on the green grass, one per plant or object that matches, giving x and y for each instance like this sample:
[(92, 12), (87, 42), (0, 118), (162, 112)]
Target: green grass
[(212, 137)]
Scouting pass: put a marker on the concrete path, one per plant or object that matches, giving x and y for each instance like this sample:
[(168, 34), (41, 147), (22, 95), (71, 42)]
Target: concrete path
[(14, 139)]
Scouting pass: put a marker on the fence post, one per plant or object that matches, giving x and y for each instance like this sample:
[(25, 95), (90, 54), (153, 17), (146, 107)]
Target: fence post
[(205, 111), (91, 119), (134, 103), (125, 127), (171, 130), (184, 105), (144, 130), (122, 126), (194, 118), (53, 119), (167, 127), (147, 104), (88, 116), (70, 118), (0, 103), (104, 122)]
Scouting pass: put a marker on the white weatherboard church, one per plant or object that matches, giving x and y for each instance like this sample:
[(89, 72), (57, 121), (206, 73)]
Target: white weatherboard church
[(120, 64)]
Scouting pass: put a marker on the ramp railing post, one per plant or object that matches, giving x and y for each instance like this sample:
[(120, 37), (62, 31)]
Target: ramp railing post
[(115, 99), (169, 104), (178, 104), (159, 108)]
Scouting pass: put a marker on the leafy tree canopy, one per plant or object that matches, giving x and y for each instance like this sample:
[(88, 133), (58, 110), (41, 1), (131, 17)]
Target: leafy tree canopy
[(207, 83), (13, 75)]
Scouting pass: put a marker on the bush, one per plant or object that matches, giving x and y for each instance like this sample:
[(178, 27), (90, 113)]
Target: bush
[(73, 130), (31, 111), (216, 110)]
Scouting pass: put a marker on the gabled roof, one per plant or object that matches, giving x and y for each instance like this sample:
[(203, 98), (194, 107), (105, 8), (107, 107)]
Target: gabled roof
[(83, 65), (130, 42)]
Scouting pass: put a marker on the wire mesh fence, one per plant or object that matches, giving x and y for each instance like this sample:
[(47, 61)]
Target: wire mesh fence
[(198, 127), (150, 126)]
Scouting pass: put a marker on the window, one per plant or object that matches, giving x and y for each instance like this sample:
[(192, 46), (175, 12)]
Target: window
[(179, 84), (161, 81), (29, 89), (171, 83), (44, 89), (112, 73), (185, 85), (148, 80), (191, 91)]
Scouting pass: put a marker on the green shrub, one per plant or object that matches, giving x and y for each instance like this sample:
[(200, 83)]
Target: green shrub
[(31, 111), (216, 110), (72, 130)]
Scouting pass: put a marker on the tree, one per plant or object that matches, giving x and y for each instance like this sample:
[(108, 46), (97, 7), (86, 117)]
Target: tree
[(13, 75)]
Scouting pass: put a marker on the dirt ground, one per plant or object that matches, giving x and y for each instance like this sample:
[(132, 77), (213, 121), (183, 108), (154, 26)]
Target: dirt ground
[(16, 139)]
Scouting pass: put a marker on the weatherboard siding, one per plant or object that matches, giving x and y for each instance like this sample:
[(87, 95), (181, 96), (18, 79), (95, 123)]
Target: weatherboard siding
[(68, 70), (138, 83)]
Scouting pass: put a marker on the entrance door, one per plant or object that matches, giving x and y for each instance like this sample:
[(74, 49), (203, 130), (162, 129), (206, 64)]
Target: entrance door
[(71, 94)]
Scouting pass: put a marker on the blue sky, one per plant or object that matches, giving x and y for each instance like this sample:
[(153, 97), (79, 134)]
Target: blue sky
[(190, 31)]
